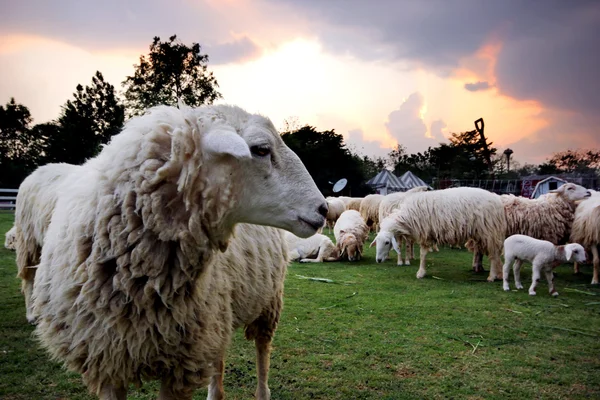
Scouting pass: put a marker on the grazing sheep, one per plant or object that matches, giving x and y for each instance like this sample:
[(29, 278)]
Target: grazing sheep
[(586, 230), (350, 233), (354, 203), (451, 217), (144, 273), (388, 204), (548, 217), (10, 238), (36, 200), (317, 248), (336, 208), (542, 254), (369, 210)]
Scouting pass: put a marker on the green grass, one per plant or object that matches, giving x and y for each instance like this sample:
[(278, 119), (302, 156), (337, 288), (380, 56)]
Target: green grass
[(377, 333)]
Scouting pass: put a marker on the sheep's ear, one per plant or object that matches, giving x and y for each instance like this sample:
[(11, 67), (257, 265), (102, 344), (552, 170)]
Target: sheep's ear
[(395, 244), (225, 142), (373, 242), (568, 252)]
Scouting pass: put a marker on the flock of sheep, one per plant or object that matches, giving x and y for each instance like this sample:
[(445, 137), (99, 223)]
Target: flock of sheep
[(139, 264)]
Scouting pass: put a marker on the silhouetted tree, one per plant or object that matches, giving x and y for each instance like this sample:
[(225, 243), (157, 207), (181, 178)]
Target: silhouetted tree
[(171, 72), (578, 161), (86, 122)]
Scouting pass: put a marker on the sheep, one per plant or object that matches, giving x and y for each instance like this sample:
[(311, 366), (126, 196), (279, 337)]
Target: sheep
[(10, 238), (35, 204), (548, 217), (586, 230), (388, 204), (336, 208), (369, 210), (350, 233), (317, 248), (145, 271), (354, 203), (542, 254), (451, 216)]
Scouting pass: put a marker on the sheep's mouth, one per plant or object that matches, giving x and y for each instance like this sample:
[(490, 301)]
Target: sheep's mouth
[(312, 224), (588, 194)]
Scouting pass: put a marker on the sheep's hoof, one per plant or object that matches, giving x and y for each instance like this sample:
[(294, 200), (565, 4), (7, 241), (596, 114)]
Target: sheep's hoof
[(491, 279), (406, 262), (594, 282), (420, 275), (506, 289), (554, 294), (532, 293), (519, 286)]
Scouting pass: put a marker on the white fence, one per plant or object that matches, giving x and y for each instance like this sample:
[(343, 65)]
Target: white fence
[(8, 198)]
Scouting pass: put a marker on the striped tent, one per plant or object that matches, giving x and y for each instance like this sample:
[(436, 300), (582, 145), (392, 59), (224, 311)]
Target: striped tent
[(410, 180), (385, 182)]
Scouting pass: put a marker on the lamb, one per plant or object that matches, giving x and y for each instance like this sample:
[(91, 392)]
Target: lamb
[(36, 200), (336, 208), (388, 204), (10, 238), (145, 271), (317, 248), (548, 217), (350, 233), (369, 210), (586, 230), (542, 254), (451, 216)]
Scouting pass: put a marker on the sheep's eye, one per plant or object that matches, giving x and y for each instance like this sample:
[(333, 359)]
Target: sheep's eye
[(387, 242), (260, 151)]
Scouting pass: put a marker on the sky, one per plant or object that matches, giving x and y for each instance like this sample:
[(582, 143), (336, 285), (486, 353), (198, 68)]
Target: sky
[(378, 72)]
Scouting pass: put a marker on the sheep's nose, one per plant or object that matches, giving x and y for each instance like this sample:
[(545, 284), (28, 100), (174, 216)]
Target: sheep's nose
[(323, 210), (378, 260)]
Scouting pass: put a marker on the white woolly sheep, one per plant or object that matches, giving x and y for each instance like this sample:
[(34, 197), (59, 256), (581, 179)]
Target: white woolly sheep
[(10, 238), (451, 217), (388, 204), (335, 208), (144, 273), (317, 248), (542, 254), (350, 233), (354, 203), (369, 210), (586, 231), (36, 200), (548, 217)]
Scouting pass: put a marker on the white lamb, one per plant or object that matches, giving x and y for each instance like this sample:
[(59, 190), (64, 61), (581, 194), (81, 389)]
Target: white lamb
[(451, 217), (144, 274), (317, 248), (10, 238), (388, 204), (36, 200), (542, 254), (350, 233)]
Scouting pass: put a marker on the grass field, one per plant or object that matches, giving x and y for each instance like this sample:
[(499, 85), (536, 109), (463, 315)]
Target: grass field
[(376, 333)]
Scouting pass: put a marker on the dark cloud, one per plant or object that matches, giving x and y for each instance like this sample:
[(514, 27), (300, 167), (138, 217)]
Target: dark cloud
[(477, 86), (406, 126)]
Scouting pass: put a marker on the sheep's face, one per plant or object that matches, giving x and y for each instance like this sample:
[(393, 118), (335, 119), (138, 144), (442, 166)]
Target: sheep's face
[(572, 192), (384, 242), (271, 185), (350, 248), (575, 252)]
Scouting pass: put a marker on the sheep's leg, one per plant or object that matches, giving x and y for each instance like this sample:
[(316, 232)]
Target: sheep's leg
[(517, 272), (422, 255), (478, 261), (535, 279), (550, 279), (596, 262), (110, 392), (27, 287), (263, 353), (215, 387), (576, 268), (435, 247), (506, 272), (168, 393), (408, 252), (495, 268)]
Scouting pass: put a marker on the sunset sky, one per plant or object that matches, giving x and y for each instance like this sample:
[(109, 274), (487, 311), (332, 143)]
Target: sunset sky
[(379, 72)]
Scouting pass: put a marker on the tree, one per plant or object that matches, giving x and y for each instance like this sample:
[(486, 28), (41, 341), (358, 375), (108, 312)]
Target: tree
[(171, 72), (572, 161), (85, 123), (327, 159), (20, 150)]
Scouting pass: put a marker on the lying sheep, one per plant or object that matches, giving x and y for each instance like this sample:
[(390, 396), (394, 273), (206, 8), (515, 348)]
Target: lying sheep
[(10, 238), (451, 217), (151, 259), (317, 248), (542, 254), (350, 232), (586, 230)]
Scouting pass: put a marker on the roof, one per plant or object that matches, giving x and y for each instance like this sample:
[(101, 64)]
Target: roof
[(386, 179), (550, 178), (410, 180)]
